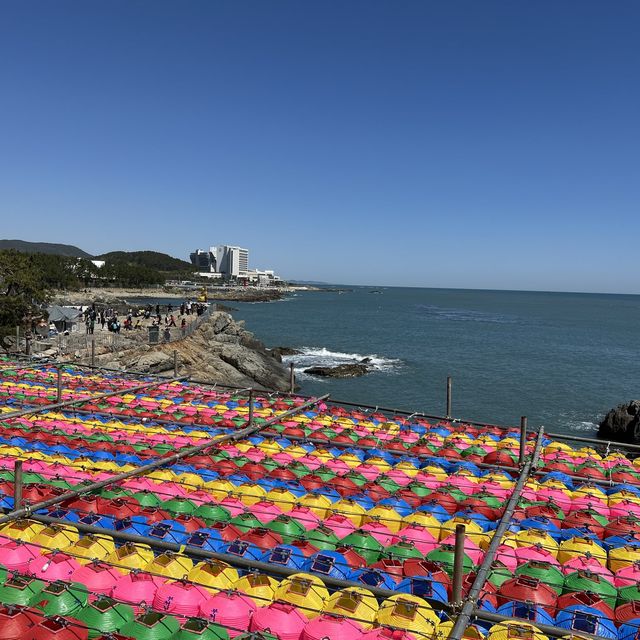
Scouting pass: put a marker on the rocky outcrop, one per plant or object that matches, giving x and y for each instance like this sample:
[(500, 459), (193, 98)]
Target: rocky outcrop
[(622, 423), (221, 350), (154, 362), (339, 371), (278, 352)]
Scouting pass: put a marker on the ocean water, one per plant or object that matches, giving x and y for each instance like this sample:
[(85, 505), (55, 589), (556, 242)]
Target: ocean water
[(561, 359)]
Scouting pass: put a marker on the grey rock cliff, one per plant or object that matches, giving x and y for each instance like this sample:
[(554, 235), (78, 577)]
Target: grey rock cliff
[(221, 350)]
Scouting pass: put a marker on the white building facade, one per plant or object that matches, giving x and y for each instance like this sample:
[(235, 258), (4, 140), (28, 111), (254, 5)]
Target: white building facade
[(230, 263)]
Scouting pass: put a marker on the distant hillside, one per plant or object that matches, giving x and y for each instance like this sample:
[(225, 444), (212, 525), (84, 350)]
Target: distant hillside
[(148, 259), (45, 247)]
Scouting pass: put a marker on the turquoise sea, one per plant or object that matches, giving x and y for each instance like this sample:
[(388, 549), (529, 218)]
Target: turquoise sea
[(561, 359)]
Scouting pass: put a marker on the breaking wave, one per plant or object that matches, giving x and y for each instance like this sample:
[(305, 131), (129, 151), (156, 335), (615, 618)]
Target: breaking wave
[(321, 357)]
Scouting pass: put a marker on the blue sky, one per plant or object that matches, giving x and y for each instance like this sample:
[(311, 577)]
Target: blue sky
[(448, 144)]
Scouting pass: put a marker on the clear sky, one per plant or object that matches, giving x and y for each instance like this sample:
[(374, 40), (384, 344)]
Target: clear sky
[(473, 143)]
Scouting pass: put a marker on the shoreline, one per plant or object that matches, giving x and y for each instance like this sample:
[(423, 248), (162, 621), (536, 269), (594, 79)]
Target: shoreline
[(118, 295)]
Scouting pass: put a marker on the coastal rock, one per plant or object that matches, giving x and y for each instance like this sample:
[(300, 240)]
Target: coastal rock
[(248, 340), (255, 365), (340, 371), (220, 350), (225, 338), (154, 362), (622, 423), (112, 364), (284, 351), (220, 321)]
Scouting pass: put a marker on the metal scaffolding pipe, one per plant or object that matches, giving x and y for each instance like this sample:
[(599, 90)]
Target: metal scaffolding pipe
[(25, 511), (458, 566), (59, 386), (523, 440), (17, 483), (236, 561), (463, 619)]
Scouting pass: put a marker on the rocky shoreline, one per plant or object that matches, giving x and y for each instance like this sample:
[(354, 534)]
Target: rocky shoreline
[(116, 297), (219, 351)]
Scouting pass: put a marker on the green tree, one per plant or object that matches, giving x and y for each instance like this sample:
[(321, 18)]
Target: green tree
[(22, 292)]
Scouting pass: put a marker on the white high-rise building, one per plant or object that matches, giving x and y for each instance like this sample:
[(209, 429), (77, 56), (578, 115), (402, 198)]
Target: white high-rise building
[(231, 262)]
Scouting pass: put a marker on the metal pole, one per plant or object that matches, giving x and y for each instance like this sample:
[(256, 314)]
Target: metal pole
[(458, 567), (449, 381), (175, 362), (463, 619), (93, 351), (59, 386), (156, 464), (292, 377), (250, 421), (237, 561), (523, 440), (17, 484)]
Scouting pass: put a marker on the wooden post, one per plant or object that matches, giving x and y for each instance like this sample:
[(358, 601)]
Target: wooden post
[(250, 424), (17, 485), (175, 363), (18, 339), (59, 386), (93, 351), (523, 439), (458, 566), (292, 375), (449, 381)]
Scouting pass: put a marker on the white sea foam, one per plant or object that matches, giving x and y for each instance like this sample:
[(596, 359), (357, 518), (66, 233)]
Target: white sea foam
[(322, 357), (582, 425)]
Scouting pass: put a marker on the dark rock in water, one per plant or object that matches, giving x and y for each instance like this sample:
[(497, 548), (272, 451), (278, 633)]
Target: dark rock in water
[(278, 352), (341, 371), (622, 423), (366, 360)]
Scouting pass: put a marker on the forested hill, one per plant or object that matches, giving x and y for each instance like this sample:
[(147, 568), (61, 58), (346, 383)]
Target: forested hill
[(148, 259), (141, 259), (47, 248)]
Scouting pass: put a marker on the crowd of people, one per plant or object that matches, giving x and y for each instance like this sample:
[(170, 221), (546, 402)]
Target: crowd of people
[(143, 317)]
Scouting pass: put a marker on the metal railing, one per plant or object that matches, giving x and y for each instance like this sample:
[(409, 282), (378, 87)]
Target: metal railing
[(76, 341)]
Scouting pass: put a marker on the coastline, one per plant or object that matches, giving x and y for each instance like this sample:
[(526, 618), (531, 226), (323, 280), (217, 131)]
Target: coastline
[(117, 295)]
